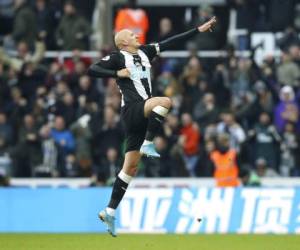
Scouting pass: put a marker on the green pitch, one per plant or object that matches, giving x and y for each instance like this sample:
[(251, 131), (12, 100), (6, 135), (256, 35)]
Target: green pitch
[(147, 242)]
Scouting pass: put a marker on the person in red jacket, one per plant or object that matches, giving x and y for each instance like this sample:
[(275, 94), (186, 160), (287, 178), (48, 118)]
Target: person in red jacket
[(189, 140)]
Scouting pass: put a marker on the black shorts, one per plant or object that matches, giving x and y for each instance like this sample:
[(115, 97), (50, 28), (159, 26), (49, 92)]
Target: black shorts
[(135, 123)]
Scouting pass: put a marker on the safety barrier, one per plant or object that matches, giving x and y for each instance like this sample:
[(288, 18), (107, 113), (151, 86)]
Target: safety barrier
[(165, 210), (140, 182)]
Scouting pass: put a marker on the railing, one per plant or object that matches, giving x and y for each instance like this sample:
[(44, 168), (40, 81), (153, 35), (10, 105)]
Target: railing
[(61, 55), (140, 182)]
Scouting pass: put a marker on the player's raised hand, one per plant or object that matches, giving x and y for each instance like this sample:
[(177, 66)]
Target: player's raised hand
[(208, 25), (123, 73)]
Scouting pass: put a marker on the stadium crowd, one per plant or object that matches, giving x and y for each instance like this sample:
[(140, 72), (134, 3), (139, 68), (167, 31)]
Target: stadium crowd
[(57, 121)]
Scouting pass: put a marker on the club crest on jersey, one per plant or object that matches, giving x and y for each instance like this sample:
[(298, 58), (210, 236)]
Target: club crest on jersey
[(106, 58)]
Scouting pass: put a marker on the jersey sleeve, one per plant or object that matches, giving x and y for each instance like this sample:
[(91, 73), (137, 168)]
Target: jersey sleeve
[(106, 67), (170, 42), (151, 50)]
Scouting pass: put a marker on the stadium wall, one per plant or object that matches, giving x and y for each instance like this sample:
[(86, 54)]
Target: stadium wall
[(154, 210)]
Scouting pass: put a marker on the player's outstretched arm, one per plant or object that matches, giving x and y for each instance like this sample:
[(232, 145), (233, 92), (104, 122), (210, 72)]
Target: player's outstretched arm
[(166, 44)]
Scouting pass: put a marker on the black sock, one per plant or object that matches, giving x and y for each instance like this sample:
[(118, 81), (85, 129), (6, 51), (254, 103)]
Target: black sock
[(154, 122), (118, 192)]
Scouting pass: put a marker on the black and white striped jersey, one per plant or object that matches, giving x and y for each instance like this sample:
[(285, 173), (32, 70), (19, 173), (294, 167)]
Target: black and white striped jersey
[(138, 87)]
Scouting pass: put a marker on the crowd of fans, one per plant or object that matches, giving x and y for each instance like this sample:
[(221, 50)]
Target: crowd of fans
[(59, 23), (57, 121)]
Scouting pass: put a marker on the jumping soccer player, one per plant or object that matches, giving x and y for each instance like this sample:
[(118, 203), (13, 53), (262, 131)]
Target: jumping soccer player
[(141, 113)]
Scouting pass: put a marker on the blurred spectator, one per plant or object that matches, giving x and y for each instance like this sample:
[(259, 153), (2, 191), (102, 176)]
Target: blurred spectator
[(133, 18), (28, 131), (65, 145), (190, 81), (264, 101), (171, 128), (62, 136), (77, 63), (45, 22), (73, 30), (4, 181), (249, 178), (48, 168), (288, 72), (6, 16), (220, 85), (236, 133), (224, 158), (40, 106), (6, 131), (266, 140), (17, 107), (205, 167), (289, 165), (268, 70), (83, 136), (245, 109), (30, 79), (263, 170), (71, 168), (66, 108), (294, 51), (205, 111), (112, 95), (55, 73), (189, 140), (208, 40), (86, 91), (28, 149), (4, 88), (239, 76), (5, 159), (24, 25), (109, 135), (108, 168), (172, 133), (287, 109), (60, 89), (24, 55), (165, 31), (74, 75), (167, 83), (290, 37)]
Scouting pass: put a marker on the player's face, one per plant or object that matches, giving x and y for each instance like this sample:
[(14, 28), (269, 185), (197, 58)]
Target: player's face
[(133, 40)]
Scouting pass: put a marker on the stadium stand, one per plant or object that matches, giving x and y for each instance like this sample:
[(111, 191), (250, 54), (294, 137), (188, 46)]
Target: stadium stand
[(55, 121)]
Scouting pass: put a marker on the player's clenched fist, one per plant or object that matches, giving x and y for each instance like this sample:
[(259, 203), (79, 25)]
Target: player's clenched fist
[(123, 73), (208, 25)]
